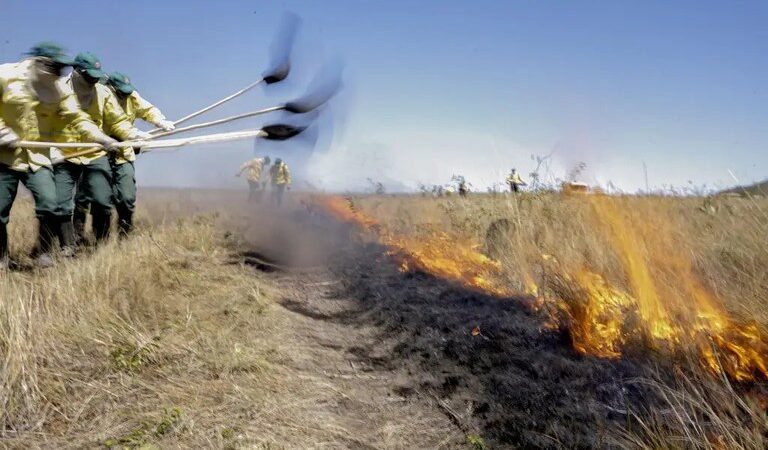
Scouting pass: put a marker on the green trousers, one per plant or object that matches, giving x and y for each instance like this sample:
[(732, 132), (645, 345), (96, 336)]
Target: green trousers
[(92, 182), (124, 187), (123, 197), (43, 190), (40, 183)]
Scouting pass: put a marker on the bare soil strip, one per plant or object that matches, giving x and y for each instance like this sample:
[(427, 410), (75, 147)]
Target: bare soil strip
[(333, 396)]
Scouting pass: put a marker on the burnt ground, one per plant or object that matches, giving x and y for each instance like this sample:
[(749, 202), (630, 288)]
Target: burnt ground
[(515, 385)]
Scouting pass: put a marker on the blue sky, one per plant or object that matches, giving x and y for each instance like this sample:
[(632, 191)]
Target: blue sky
[(440, 87)]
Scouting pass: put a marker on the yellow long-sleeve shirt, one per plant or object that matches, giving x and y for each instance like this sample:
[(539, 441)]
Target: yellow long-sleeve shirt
[(136, 107), (254, 167), (105, 111), (514, 178), (279, 174), (33, 120)]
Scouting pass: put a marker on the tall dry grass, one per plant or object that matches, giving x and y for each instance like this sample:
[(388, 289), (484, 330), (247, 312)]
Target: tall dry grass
[(724, 237), (686, 245), (135, 343)]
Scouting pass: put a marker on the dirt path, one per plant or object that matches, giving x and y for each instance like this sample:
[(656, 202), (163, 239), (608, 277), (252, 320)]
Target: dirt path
[(371, 357), (331, 397)]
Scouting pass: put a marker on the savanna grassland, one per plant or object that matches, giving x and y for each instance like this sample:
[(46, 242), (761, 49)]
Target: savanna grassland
[(528, 321), (184, 336), (677, 284), (130, 344)]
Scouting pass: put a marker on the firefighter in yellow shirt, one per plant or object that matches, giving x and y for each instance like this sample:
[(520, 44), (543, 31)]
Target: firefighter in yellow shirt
[(280, 177), (35, 105), (255, 167), (91, 173), (122, 162), (514, 181)]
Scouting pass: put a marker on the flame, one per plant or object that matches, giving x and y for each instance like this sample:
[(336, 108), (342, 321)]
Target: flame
[(603, 320), (689, 316), (440, 255)]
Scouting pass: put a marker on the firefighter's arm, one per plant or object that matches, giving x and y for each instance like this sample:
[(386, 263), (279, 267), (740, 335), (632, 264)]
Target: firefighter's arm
[(117, 122), (287, 175), (81, 121), (150, 113)]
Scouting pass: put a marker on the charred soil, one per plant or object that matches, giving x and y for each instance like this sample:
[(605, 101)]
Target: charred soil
[(487, 364)]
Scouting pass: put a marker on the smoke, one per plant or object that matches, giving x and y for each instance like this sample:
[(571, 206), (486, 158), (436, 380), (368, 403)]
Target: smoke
[(407, 158)]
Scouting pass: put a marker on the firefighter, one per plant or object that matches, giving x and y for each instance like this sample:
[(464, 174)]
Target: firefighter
[(514, 181), (280, 177), (36, 105), (123, 171), (91, 173), (463, 187), (256, 185)]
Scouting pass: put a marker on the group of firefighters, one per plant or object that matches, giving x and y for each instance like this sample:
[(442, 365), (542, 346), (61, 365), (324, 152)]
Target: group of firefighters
[(39, 103), (260, 176), (513, 180)]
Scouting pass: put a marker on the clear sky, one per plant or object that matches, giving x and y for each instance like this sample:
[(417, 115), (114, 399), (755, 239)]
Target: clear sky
[(441, 87)]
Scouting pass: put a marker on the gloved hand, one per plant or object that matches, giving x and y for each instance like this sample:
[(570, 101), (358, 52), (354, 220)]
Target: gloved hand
[(110, 145), (166, 125), (8, 137), (56, 155), (139, 135)]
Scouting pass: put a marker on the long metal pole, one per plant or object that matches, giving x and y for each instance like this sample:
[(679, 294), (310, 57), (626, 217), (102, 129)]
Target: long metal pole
[(220, 121), (91, 147), (215, 104)]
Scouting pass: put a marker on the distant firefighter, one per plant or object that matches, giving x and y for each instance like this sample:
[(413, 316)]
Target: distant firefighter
[(514, 181), (280, 178), (255, 168), (463, 187)]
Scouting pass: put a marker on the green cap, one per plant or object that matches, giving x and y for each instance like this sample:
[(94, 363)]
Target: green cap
[(89, 63), (121, 83), (51, 50)]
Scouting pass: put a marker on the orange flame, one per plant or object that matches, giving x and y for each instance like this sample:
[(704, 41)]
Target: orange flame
[(600, 317), (689, 316), (440, 255)]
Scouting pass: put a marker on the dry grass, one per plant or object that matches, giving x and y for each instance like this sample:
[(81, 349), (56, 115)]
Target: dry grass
[(161, 340), (144, 341), (697, 412), (724, 237), (166, 340), (685, 246)]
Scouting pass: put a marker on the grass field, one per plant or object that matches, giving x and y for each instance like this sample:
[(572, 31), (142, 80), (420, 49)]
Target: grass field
[(134, 342), (679, 281), (162, 339)]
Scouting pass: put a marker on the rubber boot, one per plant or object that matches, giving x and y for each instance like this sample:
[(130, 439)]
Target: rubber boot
[(4, 261), (45, 235), (78, 223), (124, 222), (101, 224), (67, 240)]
